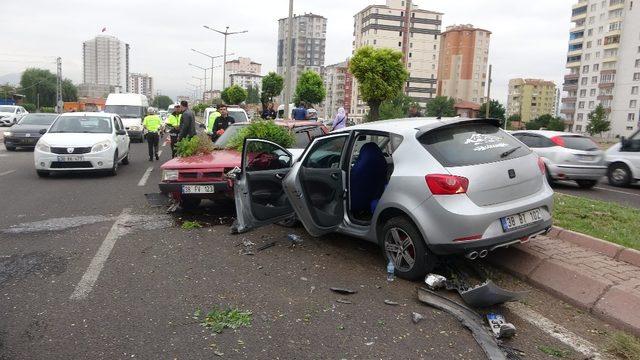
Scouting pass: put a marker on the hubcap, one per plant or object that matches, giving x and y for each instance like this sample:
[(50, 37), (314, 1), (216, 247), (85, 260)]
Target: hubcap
[(619, 174), (400, 249)]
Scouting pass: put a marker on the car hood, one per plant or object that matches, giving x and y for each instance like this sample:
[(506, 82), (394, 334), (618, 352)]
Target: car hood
[(218, 159), (73, 139), (34, 129)]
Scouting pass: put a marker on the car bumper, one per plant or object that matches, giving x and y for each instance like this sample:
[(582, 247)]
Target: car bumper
[(577, 172), (89, 162), (27, 142), (221, 189)]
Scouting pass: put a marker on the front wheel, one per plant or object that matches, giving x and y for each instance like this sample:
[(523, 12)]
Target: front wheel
[(619, 175), (125, 160), (404, 246), (587, 184), (42, 173), (114, 168)]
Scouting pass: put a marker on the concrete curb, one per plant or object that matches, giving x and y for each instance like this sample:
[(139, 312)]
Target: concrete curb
[(611, 250)]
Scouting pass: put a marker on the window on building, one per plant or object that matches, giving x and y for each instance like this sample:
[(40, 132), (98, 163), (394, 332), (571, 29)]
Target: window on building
[(584, 81), (634, 90), (593, 7), (588, 44), (587, 56), (631, 116), (410, 54), (583, 93), (600, 30), (578, 128), (591, 20), (409, 65), (633, 103), (580, 116), (637, 63), (400, 33), (591, 104), (585, 69), (590, 32), (596, 67), (581, 105), (435, 46), (594, 79), (592, 92), (636, 76)]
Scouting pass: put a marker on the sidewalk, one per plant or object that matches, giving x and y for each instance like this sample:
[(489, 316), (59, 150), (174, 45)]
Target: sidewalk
[(588, 277)]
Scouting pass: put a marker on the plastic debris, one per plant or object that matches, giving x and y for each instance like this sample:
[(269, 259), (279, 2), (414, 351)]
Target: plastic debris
[(369, 343), (501, 329), (266, 246), (343, 301), (416, 318), (343, 291), (295, 239), (489, 294), (435, 281), (390, 302)]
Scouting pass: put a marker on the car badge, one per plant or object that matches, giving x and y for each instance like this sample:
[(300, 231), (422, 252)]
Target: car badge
[(70, 150), (27, 135), (512, 173)]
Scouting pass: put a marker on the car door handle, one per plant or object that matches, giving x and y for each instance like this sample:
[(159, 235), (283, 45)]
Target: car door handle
[(334, 176), (279, 176)]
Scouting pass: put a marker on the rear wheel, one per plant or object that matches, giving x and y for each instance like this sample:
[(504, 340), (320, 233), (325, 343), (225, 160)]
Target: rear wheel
[(189, 202), (404, 246), (42, 173), (587, 184), (619, 174)]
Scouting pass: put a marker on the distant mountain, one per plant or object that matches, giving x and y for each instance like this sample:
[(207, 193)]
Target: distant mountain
[(13, 79)]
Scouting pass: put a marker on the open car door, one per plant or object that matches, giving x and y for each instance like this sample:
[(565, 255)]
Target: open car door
[(259, 195), (315, 186)]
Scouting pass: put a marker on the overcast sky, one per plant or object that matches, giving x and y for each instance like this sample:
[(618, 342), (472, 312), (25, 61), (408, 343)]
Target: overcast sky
[(529, 37)]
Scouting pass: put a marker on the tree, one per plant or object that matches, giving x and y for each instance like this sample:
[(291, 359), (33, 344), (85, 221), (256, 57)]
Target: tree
[(253, 95), (598, 122), (310, 88), (272, 85), (233, 95), (6, 91), (441, 106), (381, 76), (161, 102), (69, 91), (546, 121), (395, 108), (39, 85), (496, 110)]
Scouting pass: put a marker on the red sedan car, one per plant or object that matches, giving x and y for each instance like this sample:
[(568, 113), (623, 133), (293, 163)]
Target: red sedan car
[(188, 180)]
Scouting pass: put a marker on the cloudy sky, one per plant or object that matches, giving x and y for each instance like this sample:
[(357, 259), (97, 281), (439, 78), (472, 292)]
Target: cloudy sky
[(529, 37)]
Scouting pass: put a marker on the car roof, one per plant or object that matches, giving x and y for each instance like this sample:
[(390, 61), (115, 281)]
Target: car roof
[(547, 133), (410, 126), (99, 114)]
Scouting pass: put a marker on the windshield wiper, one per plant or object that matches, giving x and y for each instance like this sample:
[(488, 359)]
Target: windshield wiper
[(509, 152)]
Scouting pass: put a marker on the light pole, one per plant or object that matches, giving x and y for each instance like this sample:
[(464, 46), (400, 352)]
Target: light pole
[(205, 73), (224, 61), (286, 63), (210, 57), (204, 81), (195, 90)]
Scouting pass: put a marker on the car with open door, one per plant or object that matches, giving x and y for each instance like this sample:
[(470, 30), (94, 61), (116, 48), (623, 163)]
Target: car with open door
[(417, 187)]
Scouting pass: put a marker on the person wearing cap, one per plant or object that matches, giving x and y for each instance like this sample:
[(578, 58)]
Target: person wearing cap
[(152, 124), (173, 126)]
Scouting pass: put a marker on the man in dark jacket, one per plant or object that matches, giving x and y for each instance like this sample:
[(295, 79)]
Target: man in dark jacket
[(222, 122), (187, 122)]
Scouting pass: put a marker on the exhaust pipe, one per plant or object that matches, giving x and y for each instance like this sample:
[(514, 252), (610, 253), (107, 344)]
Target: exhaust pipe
[(483, 253), (472, 255)]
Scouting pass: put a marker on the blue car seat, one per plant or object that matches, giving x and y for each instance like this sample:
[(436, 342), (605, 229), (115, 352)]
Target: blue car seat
[(368, 178)]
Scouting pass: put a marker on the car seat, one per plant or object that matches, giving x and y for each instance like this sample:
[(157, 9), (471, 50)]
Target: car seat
[(368, 178)]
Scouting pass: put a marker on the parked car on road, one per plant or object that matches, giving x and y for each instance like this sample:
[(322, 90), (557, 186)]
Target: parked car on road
[(188, 180), (26, 133), (82, 142), (131, 108), (567, 156), (417, 187), (623, 160), (11, 114)]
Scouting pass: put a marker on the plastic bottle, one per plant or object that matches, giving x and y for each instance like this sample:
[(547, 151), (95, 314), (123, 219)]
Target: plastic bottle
[(390, 271), (295, 239)]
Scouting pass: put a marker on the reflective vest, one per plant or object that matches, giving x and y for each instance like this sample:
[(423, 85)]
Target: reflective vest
[(152, 123), (212, 120), (173, 120)]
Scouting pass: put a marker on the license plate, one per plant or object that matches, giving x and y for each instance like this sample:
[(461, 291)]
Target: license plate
[(520, 220), (198, 189), (71, 158)]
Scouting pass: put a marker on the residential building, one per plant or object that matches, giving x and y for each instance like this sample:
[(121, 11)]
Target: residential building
[(467, 109), (603, 65), (335, 78), (141, 84), (245, 80), (96, 90), (462, 64), (400, 25), (242, 65), (531, 98), (308, 41), (106, 62)]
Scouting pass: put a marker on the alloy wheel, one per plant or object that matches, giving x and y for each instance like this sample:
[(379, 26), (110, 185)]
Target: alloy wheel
[(619, 174), (399, 247)]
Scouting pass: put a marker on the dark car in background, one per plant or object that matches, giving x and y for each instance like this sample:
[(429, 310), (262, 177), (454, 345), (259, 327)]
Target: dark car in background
[(26, 133)]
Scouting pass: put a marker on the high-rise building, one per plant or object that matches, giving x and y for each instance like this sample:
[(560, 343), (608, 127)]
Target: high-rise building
[(243, 68), (603, 63), (402, 26), (308, 41), (141, 84), (531, 98), (335, 79), (106, 62), (462, 65)]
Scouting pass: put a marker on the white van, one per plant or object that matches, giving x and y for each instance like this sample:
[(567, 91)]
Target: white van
[(623, 161), (237, 113), (132, 108)]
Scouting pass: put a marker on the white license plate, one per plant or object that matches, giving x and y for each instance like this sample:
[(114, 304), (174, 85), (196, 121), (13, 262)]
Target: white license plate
[(520, 220), (198, 189), (71, 158)]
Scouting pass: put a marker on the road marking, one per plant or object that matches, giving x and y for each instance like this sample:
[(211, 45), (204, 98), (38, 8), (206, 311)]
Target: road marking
[(145, 176), (616, 191), (97, 263), (554, 330), (7, 172)]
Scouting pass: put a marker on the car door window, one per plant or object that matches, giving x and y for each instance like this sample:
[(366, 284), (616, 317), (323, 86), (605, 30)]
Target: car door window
[(260, 156), (633, 144), (326, 154), (117, 124)]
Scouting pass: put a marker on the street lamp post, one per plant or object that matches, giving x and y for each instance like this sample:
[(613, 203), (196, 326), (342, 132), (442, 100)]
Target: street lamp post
[(210, 57), (224, 61), (205, 73), (204, 82), (287, 62)]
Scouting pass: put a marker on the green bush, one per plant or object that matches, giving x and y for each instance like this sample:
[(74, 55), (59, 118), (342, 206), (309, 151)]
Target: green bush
[(197, 145), (47, 109), (29, 107), (265, 130)]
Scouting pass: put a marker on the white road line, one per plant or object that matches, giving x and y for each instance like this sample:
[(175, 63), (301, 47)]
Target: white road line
[(554, 330), (7, 172), (145, 176), (616, 191), (97, 263)]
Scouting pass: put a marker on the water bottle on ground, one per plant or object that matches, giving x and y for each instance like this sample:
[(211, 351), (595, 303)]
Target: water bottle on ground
[(295, 239), (390, 271)]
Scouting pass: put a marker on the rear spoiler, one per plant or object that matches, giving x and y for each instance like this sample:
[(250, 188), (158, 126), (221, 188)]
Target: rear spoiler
[(451, 122)]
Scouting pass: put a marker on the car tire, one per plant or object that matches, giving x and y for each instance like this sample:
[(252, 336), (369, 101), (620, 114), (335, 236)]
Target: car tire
[(619, 175), (10, 148), (114, 168), (125, 160), (587, 184), (42, 173), (550, 179), (415, 249)]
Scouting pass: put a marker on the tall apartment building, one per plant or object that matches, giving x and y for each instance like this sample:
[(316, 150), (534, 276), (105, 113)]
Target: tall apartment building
[(462, 64), (603, 63), (246, 72), (335, 79), (141, 84), (402, 26), (106, 62), (308, 41), (531, 98)]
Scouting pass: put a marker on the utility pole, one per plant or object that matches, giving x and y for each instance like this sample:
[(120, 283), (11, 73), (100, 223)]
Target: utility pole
[(210, 57), (486, 110), (286, 63), (224, 59), (204, 87), (59, 102)]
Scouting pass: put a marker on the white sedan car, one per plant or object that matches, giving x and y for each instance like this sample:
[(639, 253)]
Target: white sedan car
[(82, 142)]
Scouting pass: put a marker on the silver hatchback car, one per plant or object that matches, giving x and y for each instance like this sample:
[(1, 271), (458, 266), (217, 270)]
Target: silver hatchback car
[(418, 187)]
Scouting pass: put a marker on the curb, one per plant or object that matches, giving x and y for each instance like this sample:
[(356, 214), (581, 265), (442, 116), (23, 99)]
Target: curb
[(614, 251)]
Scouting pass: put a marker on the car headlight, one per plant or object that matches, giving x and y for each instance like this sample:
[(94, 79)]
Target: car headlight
[(169, 175), (101, 146), (8, 133), (43, 146)]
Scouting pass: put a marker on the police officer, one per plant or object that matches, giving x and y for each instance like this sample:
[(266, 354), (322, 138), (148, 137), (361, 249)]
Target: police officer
[(152, 124), (173, 126), (211, 123)]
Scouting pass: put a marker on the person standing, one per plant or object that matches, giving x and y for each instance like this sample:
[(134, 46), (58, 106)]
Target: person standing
[(187, 122), (340, 121), (152, 124), (269, 113), (173, 124), (414, 111), (211, 122), (222, 122), (300, 112)]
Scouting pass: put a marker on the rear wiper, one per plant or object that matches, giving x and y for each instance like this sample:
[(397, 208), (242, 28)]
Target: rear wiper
[(509, 152)]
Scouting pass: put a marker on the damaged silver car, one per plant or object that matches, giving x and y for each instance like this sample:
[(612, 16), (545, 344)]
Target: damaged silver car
[(418, 187)]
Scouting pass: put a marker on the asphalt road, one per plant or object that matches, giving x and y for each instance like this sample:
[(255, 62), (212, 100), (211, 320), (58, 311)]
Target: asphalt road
[(88, 269), (627, 196)]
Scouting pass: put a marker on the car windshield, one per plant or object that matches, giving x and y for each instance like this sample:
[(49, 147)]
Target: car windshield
[(82, 124), (38, 119), (8, 109), (125, 111), (579, 143), (238, 116)]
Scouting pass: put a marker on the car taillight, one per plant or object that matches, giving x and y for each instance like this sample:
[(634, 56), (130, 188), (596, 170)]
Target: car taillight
[(558, 140), (543, 168), (440, 184)]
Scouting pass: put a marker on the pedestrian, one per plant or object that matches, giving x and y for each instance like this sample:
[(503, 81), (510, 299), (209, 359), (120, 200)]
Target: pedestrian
[(414, 111), (211, 122), (187, 122), (312, 114), (269, 113), (152, 124), (173, 124), (222, 122), (340, 121), (300, 112)]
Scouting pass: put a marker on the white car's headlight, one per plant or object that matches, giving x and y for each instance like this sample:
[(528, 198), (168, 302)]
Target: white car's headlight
[(8, 133), (169, 175), (101, 146), (43, 146)]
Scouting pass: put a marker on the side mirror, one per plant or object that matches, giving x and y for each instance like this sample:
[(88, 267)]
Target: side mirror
[(42, 131), (121, 132)]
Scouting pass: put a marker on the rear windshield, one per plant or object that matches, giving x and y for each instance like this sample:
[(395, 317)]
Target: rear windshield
[(238, 116), (579, 143), (471, 144)]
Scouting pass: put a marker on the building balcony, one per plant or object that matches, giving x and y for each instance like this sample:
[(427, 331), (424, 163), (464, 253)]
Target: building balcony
[(569, 77), (569, 87), (605, 85), (611, 46), (580, 3), (575, 52), (579, 15), (605, 97), (607, 72), (568, 111), (577, 40), (614, 6), (610, 59), (569, 99)]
